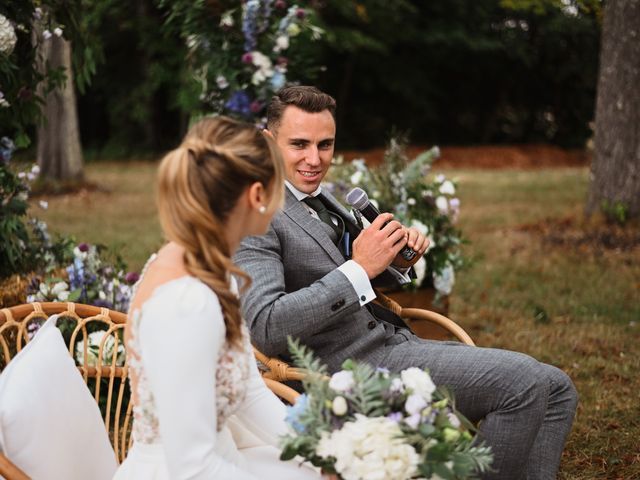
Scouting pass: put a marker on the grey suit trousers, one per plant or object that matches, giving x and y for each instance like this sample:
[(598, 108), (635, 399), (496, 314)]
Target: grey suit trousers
[(525, 408)]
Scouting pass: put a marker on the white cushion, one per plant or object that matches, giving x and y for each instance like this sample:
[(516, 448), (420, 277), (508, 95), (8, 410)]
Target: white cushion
[(50, 425)]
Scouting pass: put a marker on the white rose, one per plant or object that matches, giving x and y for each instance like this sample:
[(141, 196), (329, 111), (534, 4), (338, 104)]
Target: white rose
[(339, 406), (368, 449), (440, 178), (341, 381), (8, 37), (227, 19), (444, 282), (282, 43), (418, 381), (356, 177), (447, 188), (442, 204), (94, 340), (396, 385), (58, 288), (420, 268), (46, 34), (414, 404), (222, 82), (57, 32)]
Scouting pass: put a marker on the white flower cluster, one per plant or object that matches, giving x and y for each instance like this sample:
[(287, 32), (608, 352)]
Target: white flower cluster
[(58, 292), (93, 350), (368, 449), (8, 37)]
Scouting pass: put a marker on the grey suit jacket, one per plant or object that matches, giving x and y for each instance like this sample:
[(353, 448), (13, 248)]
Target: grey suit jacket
[(297, 290)]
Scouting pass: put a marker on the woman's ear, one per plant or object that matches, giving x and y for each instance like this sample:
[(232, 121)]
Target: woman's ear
[(269, 133), (257, 197)]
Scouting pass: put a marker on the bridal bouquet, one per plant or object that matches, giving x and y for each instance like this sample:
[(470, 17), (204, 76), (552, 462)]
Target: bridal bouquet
[(364, 424)]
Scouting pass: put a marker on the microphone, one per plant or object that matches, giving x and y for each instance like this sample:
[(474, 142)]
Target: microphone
[(359, 200)]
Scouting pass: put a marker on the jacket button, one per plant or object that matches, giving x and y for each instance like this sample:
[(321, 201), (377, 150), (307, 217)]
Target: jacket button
[(337, 305), (372, 324)]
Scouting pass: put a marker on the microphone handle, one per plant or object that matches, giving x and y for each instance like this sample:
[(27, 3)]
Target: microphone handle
[(370, 212)]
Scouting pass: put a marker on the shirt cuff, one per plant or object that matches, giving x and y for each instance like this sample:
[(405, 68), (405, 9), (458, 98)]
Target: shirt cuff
[(359, 280)]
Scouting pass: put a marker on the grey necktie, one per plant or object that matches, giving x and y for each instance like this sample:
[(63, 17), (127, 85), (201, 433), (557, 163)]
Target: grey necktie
[(323, 213)]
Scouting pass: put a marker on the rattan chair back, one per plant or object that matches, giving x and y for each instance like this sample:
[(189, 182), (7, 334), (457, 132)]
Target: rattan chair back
[(94, 337)]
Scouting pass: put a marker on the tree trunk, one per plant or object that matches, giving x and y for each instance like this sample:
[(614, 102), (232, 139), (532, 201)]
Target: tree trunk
[(59, 150), (615, 170)]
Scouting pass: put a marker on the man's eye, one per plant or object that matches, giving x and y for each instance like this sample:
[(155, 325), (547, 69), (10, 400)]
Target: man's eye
[(325, 146), (298, 144)]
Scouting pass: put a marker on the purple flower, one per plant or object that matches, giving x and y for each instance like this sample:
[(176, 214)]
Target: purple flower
[(247, 58), (132, 277), (280, 4), (395, 417), (83, 247), (239, 103), (300, 13), (255, 106)]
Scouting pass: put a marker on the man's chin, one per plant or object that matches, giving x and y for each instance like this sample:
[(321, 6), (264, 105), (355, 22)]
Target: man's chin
[(305, 186)]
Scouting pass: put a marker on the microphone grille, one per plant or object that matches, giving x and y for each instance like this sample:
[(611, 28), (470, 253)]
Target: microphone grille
[(357, 198)]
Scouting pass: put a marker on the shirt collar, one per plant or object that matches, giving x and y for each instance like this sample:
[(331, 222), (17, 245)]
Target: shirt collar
[(301, 195)]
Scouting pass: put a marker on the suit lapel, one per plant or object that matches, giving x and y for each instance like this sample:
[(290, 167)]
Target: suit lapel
[(298, 214)]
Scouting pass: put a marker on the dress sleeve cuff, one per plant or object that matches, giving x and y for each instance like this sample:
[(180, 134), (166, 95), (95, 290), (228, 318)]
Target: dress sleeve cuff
[(359, 280)]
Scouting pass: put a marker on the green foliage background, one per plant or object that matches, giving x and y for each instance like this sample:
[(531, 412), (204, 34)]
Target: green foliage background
[(451, 72)]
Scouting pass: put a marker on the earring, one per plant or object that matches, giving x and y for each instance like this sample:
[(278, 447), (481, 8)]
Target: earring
[(262, 209)]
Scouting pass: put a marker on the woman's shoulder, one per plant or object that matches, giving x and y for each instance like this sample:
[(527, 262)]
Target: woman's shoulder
[(186, 295)]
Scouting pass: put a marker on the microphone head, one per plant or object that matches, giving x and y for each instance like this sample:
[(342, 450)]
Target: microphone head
[(357, 198)]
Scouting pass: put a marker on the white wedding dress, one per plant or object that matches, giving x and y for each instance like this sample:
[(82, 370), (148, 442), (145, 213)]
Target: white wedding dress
[(202, 410)]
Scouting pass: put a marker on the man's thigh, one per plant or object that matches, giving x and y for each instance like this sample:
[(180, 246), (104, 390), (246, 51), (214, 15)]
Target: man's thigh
[(480, 378)]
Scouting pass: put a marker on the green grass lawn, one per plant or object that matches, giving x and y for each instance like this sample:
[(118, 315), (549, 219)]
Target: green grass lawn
[(542, 280)]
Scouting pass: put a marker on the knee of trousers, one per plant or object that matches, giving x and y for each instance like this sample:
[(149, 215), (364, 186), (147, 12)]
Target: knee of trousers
[(526, 384), (562, 387)]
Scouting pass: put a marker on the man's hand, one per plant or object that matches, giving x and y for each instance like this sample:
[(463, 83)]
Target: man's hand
[(418, 243), (377, 245)]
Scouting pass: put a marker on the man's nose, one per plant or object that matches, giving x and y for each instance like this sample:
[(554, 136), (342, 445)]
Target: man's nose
[(313, 156)]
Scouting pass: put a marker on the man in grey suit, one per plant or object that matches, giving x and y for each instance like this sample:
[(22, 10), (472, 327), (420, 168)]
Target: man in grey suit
[(312, 279)]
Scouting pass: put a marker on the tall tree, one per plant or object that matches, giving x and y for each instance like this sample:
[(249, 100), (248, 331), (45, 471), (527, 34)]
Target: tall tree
[(615, 185), (59, 150)]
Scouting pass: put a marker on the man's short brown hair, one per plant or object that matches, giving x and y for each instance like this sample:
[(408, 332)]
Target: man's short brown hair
[(305, 97)]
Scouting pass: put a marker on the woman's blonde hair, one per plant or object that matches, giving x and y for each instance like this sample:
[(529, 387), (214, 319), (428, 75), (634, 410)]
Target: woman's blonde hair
[(199, 183)]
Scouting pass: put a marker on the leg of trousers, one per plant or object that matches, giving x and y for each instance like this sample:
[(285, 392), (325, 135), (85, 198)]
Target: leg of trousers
[(525, 408)]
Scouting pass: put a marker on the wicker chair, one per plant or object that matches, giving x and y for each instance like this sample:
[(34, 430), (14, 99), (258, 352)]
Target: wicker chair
[(417, 319), (103, 370)]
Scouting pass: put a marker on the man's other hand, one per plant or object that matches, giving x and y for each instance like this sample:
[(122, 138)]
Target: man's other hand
[(377, 245), (417, 242)]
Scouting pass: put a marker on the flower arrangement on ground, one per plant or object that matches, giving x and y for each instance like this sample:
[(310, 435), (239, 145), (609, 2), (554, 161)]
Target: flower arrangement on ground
[(89, 279), (242, 60), (418, 198), (364, 424)]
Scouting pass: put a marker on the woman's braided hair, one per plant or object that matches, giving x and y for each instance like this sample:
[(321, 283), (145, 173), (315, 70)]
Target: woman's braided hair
[(199, 183)]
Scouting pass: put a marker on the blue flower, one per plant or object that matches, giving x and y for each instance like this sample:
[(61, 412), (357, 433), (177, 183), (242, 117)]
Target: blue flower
[(250, 24), (278, 80), (239, 103), (294, 413), (6, 149)]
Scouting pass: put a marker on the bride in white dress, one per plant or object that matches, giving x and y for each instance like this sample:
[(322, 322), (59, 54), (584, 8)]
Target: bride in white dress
[(201, 410)]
